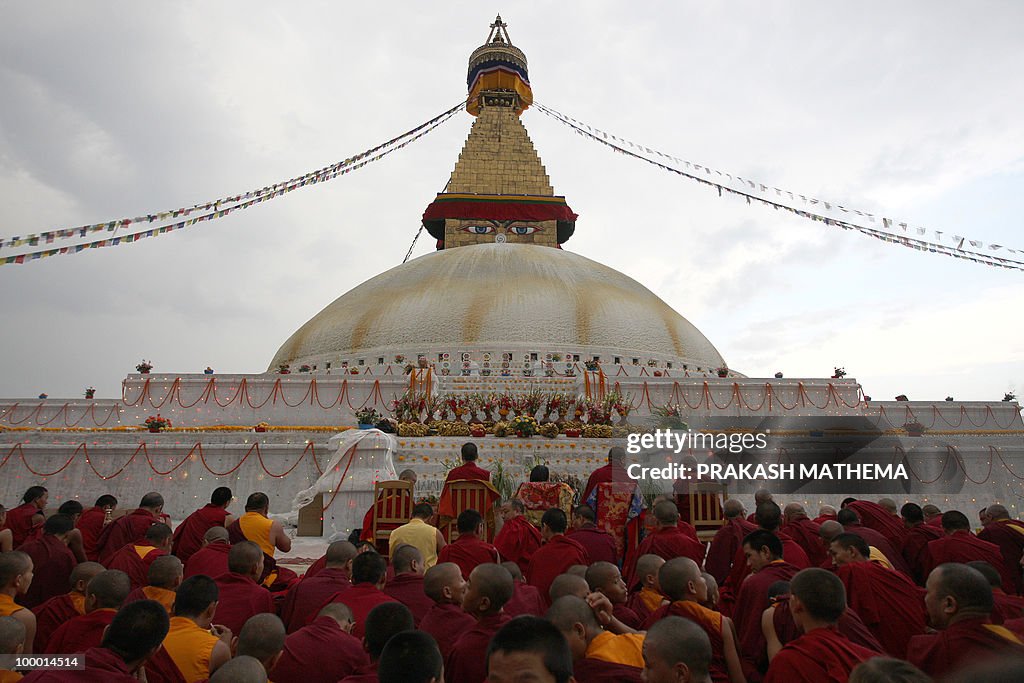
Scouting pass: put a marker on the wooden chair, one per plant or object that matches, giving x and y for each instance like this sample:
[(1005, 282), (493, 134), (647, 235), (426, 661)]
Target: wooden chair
[(392, 507), (466, 494), (704, 501)]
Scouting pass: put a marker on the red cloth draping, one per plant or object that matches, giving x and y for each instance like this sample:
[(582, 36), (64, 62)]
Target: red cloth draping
[(876, 517), (408, 589), (599, 544), (134, 560), (751, 602), (526, 599), (963, 546), (725, 546), (53, 563), (80, 633), (1008, 534), (22, 521), (188, 536), (517, 541), (90, 524), (915, 550), (667, 543), (468, 551), (887, 602), (961, 644), (101, 666), (54, 612), (122, 531), (708, 620), (822, 655), (360, 598)]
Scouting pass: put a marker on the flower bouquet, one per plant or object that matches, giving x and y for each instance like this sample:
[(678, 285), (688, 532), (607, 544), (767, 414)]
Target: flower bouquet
[(261, 427), (144, 367), (722, 371), (523, 426), (90, 392), (157, 423), (305, 367), (367, 418)]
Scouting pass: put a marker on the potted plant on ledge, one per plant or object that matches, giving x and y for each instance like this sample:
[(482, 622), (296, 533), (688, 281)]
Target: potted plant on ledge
[(144, 367), (157, 423), (722, 371), (367, 418), (914, 428), (90, 392)]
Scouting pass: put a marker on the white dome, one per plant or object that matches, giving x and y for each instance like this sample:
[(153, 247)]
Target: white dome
[(498, 297)]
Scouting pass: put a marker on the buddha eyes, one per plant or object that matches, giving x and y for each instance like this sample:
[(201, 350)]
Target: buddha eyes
[(523, 230), (478, 229)]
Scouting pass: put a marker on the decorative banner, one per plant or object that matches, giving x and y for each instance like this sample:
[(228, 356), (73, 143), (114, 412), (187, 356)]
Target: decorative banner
[(219, 210), (750, 186)]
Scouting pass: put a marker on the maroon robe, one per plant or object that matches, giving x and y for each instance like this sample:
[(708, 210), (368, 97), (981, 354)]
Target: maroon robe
[(725, 546), (822, 655), (53, 562), (446, 622), (1008, 534), (466, 662), (122, 531), (20, 522), (101, 666), (604, 475), (589, 670), (80, 633), (963, 546), (626, 615), (306, 597), (188, 537), (518, 540), (729, 590), (303, 659), (468, 470), (210, 560), (599, 544), (964, 643), (318, 566), (850, 626), (360, 598), (879, 541), (821, 519), (128, 561), (408, 589), (708, 620), (887, 602), (751, 602), (160, 668), (1006, 607), (90, 524), (240, 598), (876, 517), (551, 560), (667, 543), (805, 533), (51, 614), (468, 551), (366, 673), (915, 550), (640, 606), (525, 600)]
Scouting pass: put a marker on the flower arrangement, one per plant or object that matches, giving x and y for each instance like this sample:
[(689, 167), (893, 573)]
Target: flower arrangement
[(914, 428), (408, 407), (556, 358), (839, 373), (284, 369), (669, 416), (261, 427), (90, 392), (368, 416), (157, 423), (1009, 397), (652, 363), (144, 367), (399, 358), (523, 425), (208, 370), (722, 371), (305, 367), (592, 365)]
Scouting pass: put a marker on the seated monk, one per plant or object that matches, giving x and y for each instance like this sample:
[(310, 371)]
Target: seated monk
[(418, 532), (212, 558), (599, 544), (28, 516), (684, 584), (529, 649), (798, 526), (129, 528), (386, 502), (411, 657), (196, 646), (92, 521), (825, 514), (406, 586), (15, 578), (241, 596), (306, 596), (761, 496), (518, 539), (6, 535), (851, 522), (612, 472), (103, 597), (915, 545), (678, 649), (568, 584), (188, 537), (382, 623), (445, 621), (165, 575), (779, 627), (597, 654), (880, 517), (958, 544), (887, 601), (525, 598), (725, 546), (369, 574), (468, 470), (262, 638), (55, 611), (490, 587), (52, 559), (269, 535), (558, 553), (822, 653), (932, 515), (330, 631), (134, 559), (713, 597), (667, 541), (1004, 607), (645, 595), (959, 601), (541, 494), (891, 670), (468, 551), (604, 578), (12, 642), (1008, 534)]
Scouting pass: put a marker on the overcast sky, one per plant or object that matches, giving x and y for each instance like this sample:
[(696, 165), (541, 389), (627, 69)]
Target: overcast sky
[(909, 110)]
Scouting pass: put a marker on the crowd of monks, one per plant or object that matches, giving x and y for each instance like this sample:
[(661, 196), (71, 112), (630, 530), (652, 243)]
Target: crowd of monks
[(863, 593)]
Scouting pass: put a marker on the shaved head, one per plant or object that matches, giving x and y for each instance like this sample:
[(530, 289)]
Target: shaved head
[(732, 508), (675, 578), (513, 569), (666, 513), (600, 573), (490, 581), (648, 565), (262, 637), (216, 534), (568, 584), (338, 611), (579, 570), (793, 510), (12, 635), (84, 573), (243, 557), (165, 572), (889, 504), (384, 621), (930, 510), (569, 610), (13, 565), (990, 573), (109, 588), (241, 669), (439, 577), (403, 557), (674, 640), (762, 496), (998, 511), (768, 515), (826, 510), (340, 553), (821, 592), (829, 529), (966, 585)]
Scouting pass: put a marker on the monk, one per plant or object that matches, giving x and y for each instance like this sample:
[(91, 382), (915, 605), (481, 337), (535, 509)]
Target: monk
[(369, 572), (262, 638), (135, 558), (55, 611), (684, 584), (568, 584), (761, 496), (958, 544), (131, 640), (188, 537), (779, 628), (726, 543), (407, 584), (418, 532), (330, 631), (445, 621), (851, 522), (411, 657), (558, 553), (195, 645), (959, 602), (1008, 534), (525, 598), (490, 587), (676, 649), (241, 596), (103, 597), (384, 503), (129, 528), (597, 653), (817, 601), (825, 513), (667, 541), (23, 519), (886, 600), (6, 536), (880, 517), (598, 543), (645, 595), (763, 553), (15, 578), (915, 545), (269, 535), (212, 558), (1004, 607), (468, 470), (382, 623), (518, 539), (92, 521), (932, 515), (12, 642), (468, 550), (52, 559), (798, 526), (305, 597), (162, 581), (613, 471), (604, 578)]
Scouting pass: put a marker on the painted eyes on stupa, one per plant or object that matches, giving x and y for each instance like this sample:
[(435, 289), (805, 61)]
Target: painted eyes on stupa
[(479, 229), (523, 230)]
